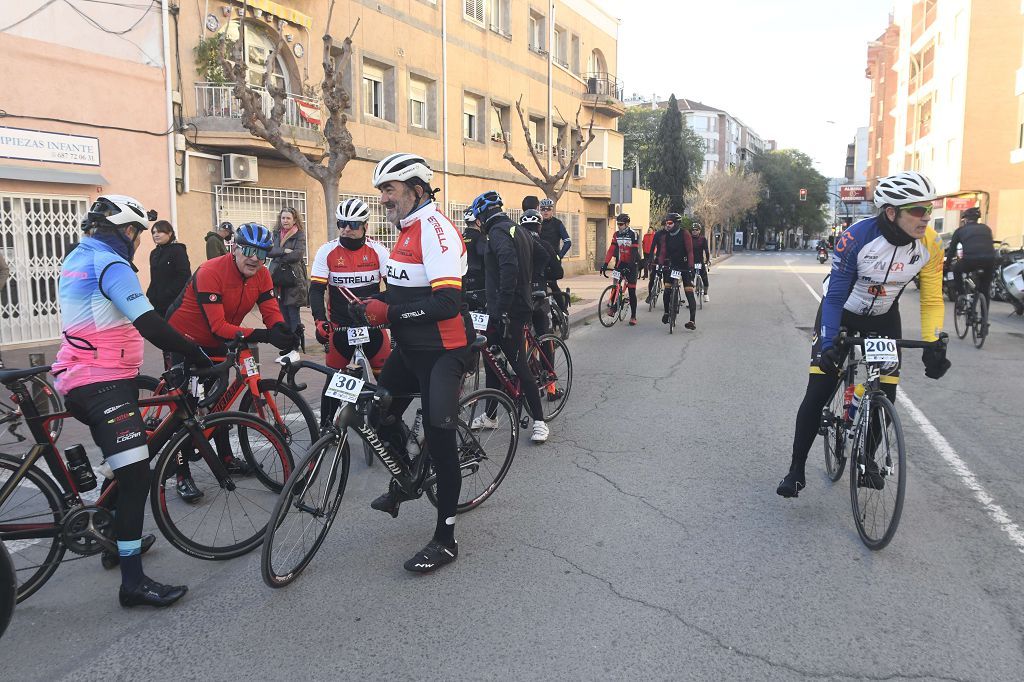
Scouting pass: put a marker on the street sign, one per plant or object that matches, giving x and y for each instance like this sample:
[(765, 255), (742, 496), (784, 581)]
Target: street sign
[(803, 194), (853, 193), (623, 182), (960, 203)]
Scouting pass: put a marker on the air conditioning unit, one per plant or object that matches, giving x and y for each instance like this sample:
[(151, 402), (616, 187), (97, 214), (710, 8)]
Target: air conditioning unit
[(540, 147), (578, 170), (497, 136), (239, 168)]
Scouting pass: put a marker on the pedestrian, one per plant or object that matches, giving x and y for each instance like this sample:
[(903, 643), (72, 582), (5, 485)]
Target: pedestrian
[(217, 240), (288, 269), (169, 269)]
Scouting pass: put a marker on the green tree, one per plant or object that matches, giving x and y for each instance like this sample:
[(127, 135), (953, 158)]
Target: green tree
[(675, 159), (783, 174), (639, 128)]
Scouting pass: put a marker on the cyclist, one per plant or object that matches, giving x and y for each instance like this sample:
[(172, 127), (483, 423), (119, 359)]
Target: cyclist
[(424, 305), (509, 275), (211, 307), (979, 252), (648, 267), (476, 249), (106, 317), (874, 261), (544, 257), (359, 264), (701, 254), (553, 231), (673, 250), (625, 248)]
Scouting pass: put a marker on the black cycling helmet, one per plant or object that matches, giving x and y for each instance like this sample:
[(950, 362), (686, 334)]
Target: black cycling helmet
[(696, 227), (973, 213), (675, 218), (622, 218)]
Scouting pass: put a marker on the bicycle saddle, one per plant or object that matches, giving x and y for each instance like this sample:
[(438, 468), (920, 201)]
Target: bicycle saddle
[(11, 376)]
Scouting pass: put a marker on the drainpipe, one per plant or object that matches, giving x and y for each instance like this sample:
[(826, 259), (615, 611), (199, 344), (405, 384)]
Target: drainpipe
[(169, 106), (551, 54), (444, 94)]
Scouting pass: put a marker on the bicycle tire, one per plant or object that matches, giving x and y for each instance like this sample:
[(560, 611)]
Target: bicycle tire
[(835, 436), (698, 291), (293, 498), (291, 429), (164, 479), (48, 402), (960, 316), (562, 370), (979, 321), (654, 295), (8, 589), (624, 302), (490, 451), (603, 306), (50, 513), (875, 538), (673, 309), (152, 416), (560, 322)]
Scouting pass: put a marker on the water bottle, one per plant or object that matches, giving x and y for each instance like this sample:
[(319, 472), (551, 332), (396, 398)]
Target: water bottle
[(856, 393), (81, 470), (413, 446), (847, 401)]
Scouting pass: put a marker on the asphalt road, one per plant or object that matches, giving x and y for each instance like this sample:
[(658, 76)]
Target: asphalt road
[(644, 539)]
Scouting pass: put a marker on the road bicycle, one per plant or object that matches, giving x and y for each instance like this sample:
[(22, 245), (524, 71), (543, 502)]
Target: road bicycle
[(970, 312), (613, 305), (8, 589), (698, 286), (859, 423), (46, 400), (675, 299), (309, 503), (42, 515), (559, 316), (657, 286)]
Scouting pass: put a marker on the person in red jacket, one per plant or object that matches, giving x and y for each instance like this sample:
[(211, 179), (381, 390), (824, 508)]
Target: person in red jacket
[(210, 310), (625, 248)]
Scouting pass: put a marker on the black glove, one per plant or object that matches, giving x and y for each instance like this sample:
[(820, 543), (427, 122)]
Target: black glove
[(830, 361), (935, 362), (604, 269), (258, 336), (357, 312), (198, 358), (281, 337)]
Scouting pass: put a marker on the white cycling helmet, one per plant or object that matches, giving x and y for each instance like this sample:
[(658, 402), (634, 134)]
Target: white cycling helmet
[(353, 211), (908, 187), (401, 167), (116, 210)]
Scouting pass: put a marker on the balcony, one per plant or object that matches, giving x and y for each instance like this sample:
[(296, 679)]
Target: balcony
[(218, 115), (604, 93)]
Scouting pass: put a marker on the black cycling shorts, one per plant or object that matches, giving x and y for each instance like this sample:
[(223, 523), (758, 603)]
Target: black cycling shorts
[(666, 272), (435, 374), (629, 272), (888, 326), (111, 410)]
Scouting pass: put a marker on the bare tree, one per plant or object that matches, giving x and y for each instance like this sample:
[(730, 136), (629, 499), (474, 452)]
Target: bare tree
[(723, 197), (552, 184), (326, 169)]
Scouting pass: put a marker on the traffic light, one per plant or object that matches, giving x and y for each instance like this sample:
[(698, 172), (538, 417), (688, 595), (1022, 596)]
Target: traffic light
[(803, 194)]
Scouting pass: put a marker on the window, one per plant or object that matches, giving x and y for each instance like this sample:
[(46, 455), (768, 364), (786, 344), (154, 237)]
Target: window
[(499, 118), (537, 30), (373, 91), (499, 17), (471, 105), (561, 51), (574, 54), (244, 203), (417, 103), (538, 133), (473, 10)]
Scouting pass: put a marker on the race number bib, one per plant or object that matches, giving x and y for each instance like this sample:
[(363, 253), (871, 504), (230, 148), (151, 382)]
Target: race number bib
[(357, 335), (949, 275), (480, 321), (697, 266), (616, 275), (676, 274), (249, 366), (882, 351), (344, 387)]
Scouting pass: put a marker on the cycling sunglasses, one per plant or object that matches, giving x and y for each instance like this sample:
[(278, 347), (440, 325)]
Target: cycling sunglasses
[(350, 225), (250, 251), (547, 208), (918, 210)]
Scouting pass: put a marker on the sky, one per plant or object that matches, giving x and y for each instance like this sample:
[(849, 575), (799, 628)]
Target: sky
[(793, 70)]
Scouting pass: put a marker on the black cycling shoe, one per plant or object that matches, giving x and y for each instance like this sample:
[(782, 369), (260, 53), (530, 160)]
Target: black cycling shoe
[(391, 500), (432, 557), (187, 489), (791, 485), (111, 559), (690, 325), (664, 318), (237, 467), (151, 593), (872, 477)]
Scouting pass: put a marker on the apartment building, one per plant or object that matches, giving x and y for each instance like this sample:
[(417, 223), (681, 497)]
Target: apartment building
[(85, 113), (437, 77), (945, 101)]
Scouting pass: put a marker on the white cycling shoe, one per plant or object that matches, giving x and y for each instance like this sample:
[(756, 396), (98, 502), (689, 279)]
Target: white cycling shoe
[(483, 422), (707, 299), (540, 432)]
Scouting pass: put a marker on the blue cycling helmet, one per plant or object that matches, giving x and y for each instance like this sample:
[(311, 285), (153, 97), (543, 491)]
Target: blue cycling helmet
[(485, 204), (253, 234)]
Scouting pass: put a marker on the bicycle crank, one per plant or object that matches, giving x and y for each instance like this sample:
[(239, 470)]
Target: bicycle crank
[(89, 530)]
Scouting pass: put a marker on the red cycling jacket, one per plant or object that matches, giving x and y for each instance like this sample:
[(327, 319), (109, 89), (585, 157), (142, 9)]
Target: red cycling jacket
[(625, 247), (213, 304)]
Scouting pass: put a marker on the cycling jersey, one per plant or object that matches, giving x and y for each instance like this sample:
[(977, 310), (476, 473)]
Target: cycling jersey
[(871, 266), (100, 297), (361, 271), (701, 253), (674, 249), (625, 247), (553, 232), (213, 304), (424, 278), (975, 240)]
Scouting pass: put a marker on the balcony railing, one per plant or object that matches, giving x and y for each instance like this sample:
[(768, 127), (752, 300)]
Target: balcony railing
[(604, 84), (218, 101)]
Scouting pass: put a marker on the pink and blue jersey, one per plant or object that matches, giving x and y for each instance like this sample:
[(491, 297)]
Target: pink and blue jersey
[(100, 297)]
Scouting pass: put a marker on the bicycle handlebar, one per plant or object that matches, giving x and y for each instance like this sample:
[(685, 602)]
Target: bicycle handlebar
[(843, 340)]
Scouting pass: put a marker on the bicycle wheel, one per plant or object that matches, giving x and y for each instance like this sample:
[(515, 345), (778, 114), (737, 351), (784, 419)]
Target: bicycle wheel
[(149, 387), (961, 310), (607, 314), (8, 589), (297, 425), (552, 368), (878, 473), (35, 504), (223, 523), (305, 510), (698, 291), (834, 433), (624, 308), (485, 454), (979, 321), (654, 295), (47, 401), (673, 309), (559, 322)]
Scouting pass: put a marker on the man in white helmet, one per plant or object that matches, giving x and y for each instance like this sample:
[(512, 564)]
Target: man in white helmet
[(873, 262)]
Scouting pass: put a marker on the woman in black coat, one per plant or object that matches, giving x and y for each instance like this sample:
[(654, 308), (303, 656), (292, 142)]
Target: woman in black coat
[(169, 269)]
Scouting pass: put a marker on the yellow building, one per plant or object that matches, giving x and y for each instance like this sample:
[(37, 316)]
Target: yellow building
[(436, 77)]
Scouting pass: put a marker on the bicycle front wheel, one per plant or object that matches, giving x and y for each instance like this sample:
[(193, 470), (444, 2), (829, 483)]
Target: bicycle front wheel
[(305, 510), (552, 365), (673, 310), (834, 433), (979, 321), (30, 526), (878, 471), (227, 520), (8, 589), (607, 310), (698, 291), (961, 311), (291, 415)]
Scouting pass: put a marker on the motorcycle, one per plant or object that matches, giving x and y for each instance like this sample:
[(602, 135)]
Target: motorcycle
[(822, 255), (1009, 278)]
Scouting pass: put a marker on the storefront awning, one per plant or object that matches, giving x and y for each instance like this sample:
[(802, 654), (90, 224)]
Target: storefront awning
[(282, 12), (53, 175)]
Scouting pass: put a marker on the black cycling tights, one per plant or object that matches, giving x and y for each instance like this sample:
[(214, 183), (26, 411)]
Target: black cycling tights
[(819, 391), (690, 300), (632, 300), (132, 490)]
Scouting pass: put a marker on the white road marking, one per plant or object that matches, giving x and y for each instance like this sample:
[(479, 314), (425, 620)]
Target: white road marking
[(959, 467)]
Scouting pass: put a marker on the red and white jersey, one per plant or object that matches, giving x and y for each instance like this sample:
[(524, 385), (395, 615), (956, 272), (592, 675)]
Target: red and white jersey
[(361, 271)]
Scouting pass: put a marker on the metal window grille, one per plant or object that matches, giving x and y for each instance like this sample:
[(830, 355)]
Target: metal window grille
[(237, 204), (36, 233), (378, 226), (574, 233)]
